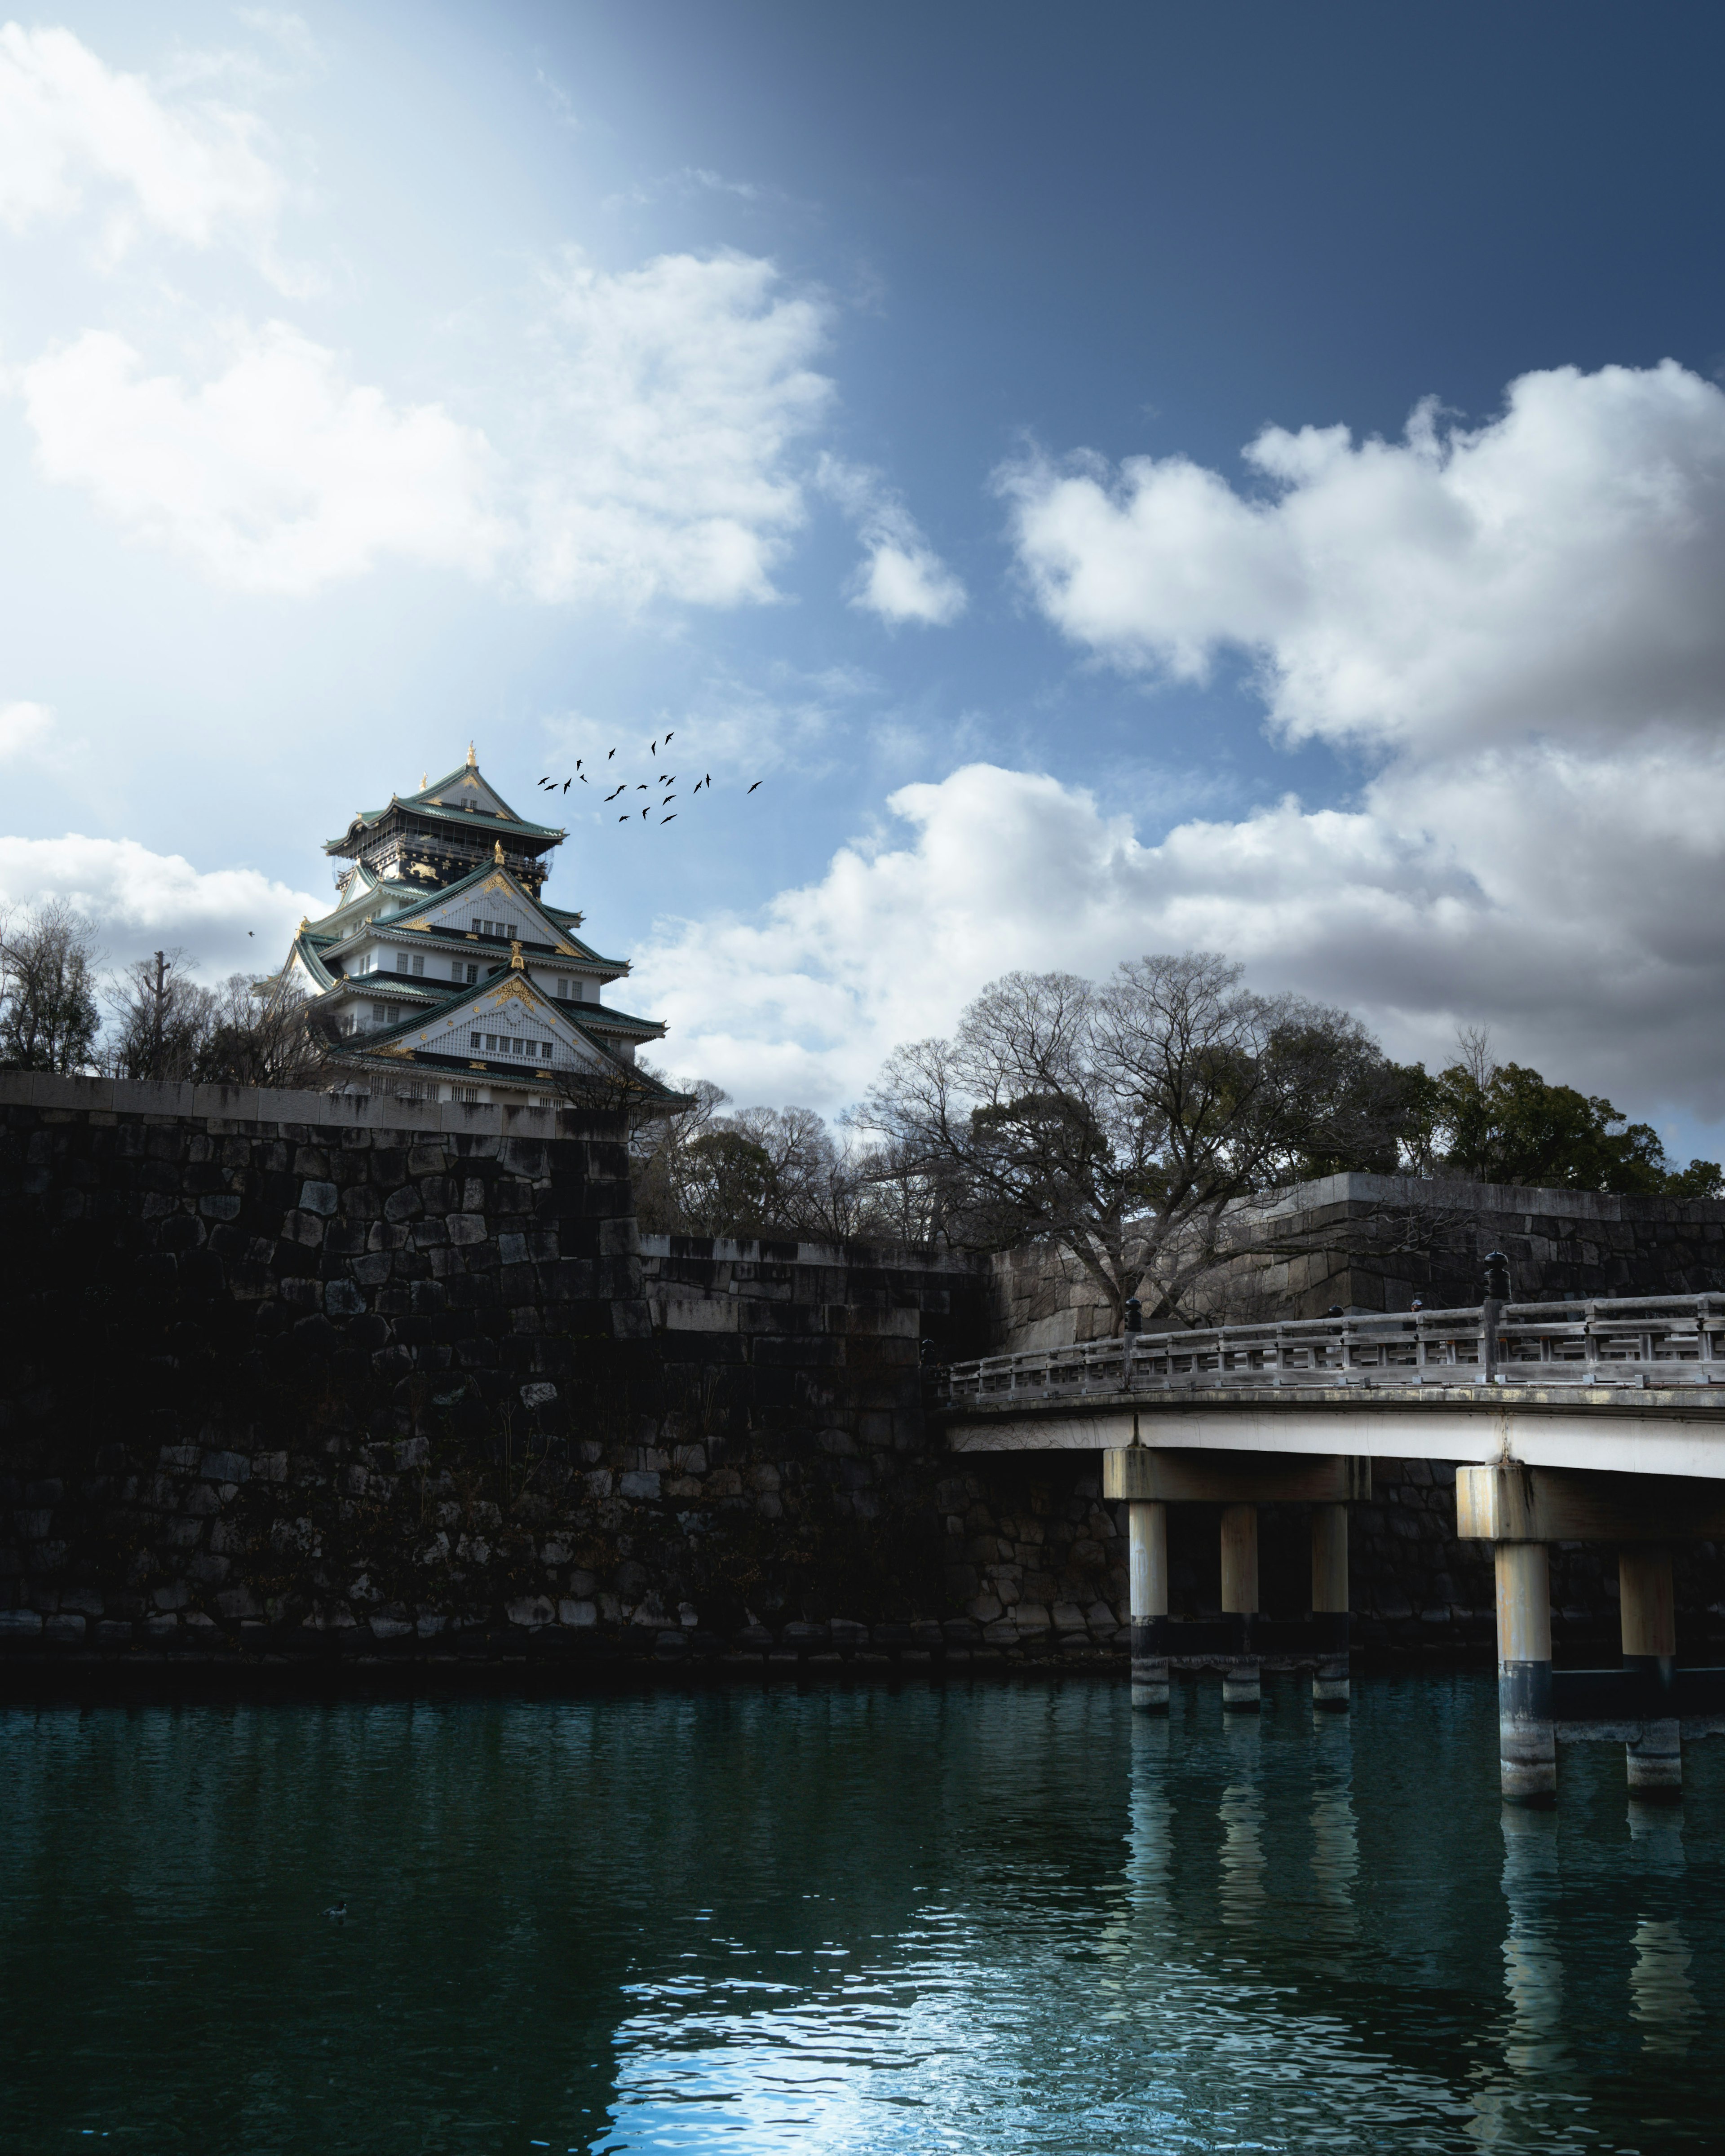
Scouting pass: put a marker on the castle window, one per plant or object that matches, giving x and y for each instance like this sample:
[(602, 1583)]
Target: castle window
[(380, 1014), (473, 1039)]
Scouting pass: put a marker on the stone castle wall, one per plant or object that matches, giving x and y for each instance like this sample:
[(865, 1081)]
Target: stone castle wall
[(1374, 1242), (298, 1376)]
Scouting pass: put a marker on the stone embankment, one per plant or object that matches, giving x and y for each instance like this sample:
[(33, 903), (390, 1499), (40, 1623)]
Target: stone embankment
[(299, 1378), (1374, 1242)]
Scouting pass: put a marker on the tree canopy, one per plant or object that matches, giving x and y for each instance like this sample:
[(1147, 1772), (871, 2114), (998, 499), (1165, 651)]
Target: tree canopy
[(1505, 1123), (1122, 1120), (49, 1014)]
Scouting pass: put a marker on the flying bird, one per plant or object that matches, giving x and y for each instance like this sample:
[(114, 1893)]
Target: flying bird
[(545, 782), (670, 737), (577, 763), (752, 787), (646, 812), (671, 819), (653, 748), (610, 753), (623, 820)]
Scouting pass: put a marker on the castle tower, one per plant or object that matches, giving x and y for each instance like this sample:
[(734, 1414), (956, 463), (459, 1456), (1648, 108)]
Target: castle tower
[(443, 972)]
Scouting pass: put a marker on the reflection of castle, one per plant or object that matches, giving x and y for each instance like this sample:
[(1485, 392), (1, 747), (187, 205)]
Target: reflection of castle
[(443, 969)]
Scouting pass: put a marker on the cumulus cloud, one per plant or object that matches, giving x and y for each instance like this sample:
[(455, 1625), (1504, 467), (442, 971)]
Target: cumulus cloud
[(1556, 571), (276, 475), (901, 577), (650, 457), (669, 399), (193, 170), (1580, 923), (1520, 620), (25, 730), (141, 901)]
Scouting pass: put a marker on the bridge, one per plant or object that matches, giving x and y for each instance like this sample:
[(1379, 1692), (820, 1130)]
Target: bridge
[(1595, 1421)]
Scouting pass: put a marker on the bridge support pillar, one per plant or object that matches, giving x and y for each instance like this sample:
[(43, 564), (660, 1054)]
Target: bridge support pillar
[(1527, 1741), (1241, 1685), (1146, 1531), (1648, 1608), (1330, 1685)]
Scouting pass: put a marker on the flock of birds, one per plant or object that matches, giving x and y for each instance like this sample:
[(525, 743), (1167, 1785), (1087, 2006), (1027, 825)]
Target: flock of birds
[(661, 800)]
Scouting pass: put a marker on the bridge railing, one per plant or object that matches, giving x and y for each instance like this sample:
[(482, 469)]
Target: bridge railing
[(1634, 1340)]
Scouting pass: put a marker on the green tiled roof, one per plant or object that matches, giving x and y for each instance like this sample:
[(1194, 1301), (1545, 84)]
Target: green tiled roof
[(423, 901), (421, 804)]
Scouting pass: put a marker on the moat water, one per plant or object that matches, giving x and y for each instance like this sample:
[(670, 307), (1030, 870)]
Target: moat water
[(984, 1918)]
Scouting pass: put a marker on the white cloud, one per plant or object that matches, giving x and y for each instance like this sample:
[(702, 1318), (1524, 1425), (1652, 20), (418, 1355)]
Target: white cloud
[(141, 901), (192, 170), (1572, 902), (648, 457), (277, 475), (901, 577), (670, 398), (1556, 572), (25, 730), (1523, 619)]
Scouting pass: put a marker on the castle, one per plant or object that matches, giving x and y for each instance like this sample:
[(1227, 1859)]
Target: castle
[(442, 971)]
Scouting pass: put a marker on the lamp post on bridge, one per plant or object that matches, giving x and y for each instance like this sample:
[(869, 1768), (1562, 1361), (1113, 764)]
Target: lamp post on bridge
[(1491, 1306)]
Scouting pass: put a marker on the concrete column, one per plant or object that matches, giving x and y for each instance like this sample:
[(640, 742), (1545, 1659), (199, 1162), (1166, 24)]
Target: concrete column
[(1329, 1604), (1527, 1744), (1147, 1547), (1650, 1653), (1241, 1686)]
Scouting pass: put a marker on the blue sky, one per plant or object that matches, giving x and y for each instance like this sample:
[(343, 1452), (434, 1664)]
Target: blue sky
[(865, 395)]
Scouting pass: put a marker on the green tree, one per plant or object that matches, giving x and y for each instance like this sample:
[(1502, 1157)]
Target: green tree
[(1506, 1123)]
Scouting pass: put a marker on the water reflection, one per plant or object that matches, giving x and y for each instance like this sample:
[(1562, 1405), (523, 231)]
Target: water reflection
[(1242, 1816), (1335, 1831), (1532, 1957), (1662, 1997), (981, 1920)]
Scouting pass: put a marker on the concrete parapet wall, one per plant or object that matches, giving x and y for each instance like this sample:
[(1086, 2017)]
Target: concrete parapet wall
[(252, 1105)]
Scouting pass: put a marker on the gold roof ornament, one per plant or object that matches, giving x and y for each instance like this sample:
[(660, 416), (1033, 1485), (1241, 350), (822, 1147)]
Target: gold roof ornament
[(472, 760), (497, 853), (517, 964), (424, 780)]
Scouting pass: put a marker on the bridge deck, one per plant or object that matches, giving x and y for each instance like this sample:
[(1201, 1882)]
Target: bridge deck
[(1631, 1386)]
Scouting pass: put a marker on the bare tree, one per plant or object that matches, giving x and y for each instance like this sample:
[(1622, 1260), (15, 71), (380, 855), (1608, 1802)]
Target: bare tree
[(262, 1033), (1121, 1122), (756, 1172), (48, 1003), (162, 1018), (1473, 1055)]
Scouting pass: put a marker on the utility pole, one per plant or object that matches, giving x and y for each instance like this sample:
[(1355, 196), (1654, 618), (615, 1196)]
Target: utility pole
[(158, 1012)]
